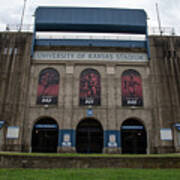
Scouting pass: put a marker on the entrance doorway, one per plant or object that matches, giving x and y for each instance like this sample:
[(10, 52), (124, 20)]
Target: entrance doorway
[(89, 136), (133, 137), (45, 136)]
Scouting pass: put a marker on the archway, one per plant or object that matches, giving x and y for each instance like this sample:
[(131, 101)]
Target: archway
[(133, 137), (89, 136), (45, 135)]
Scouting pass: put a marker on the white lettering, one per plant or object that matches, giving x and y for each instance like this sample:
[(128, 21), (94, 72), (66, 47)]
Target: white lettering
[(132, 102), (89, 101), (46, 100), (101, 56)]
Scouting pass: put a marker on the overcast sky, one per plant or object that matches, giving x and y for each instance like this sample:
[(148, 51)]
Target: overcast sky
[(11, 10)]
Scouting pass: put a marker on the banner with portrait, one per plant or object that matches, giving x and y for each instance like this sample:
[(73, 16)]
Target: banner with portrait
[(131, 88), (90, 87), (48, 87)]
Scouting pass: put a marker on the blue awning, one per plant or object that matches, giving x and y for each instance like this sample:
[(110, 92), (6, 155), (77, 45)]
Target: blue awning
[(1, 124)]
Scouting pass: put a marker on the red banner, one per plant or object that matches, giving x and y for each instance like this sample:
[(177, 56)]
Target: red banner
[(48, 87), (90, 87), (131, 88)]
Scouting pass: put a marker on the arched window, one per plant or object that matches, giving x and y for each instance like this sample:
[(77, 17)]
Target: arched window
[(90, 87), (48, 86), (131, 85)]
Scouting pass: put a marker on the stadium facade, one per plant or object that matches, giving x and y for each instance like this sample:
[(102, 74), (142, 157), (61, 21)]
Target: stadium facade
[(89, 95)]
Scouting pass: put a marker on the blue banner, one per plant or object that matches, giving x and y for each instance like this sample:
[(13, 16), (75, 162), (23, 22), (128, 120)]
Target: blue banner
[(133, 127), (45, 126)]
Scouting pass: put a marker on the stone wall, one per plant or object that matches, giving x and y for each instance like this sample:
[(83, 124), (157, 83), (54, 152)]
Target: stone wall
[(165, 79), (15, 51), (111, 114), (20, 161)]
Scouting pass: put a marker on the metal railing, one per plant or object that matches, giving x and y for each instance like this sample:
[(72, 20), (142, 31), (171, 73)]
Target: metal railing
[(165, 31), (16, 28)]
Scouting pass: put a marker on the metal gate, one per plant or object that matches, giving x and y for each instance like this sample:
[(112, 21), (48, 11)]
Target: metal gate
[(89, 137)]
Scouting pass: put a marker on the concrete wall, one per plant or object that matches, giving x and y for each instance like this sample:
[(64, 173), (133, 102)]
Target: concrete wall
[(24, 161), (19, 81), (164, 66), (14, 69)]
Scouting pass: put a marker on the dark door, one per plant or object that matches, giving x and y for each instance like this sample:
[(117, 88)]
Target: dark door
[(45, 136), (89, 137), (133, 136)]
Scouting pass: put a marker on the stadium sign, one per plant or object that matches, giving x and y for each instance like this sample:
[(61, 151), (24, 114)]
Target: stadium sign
[(98, 56)]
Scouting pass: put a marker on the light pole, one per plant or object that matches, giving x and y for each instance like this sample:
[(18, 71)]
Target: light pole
[(22, 16)]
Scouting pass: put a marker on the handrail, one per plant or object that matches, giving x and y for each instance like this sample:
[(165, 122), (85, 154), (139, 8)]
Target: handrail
[(167, 31)]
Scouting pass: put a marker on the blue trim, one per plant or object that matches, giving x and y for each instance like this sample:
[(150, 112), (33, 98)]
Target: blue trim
[(128, 127), (53, 126), (33, 41), (147, 45), (103, 28), (89, 112), (1, 124), (77, 19), (71, 133), (177, 125), (107, 134), (91, 43)]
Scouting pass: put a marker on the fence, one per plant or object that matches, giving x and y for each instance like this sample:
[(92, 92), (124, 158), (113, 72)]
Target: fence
[(165, 31)]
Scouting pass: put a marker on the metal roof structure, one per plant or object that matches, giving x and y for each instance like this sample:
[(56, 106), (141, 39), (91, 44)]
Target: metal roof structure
[(90, 20), (80, 19)]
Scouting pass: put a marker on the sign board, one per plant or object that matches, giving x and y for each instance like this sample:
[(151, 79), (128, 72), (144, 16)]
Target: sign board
[(1, 124), (13, 132), (98, 56), (66, 140), (166, 134), (89, 112), (127, 127), (177, 125), (51, 126), (112, 141)]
